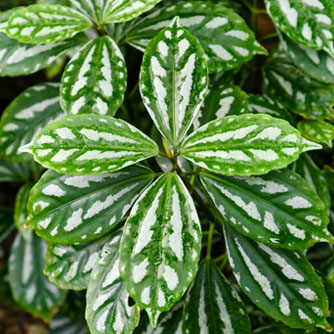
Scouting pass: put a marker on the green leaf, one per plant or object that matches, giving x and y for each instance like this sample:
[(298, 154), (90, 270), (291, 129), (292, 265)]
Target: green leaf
[(309, 23), (279, 209), (318, 131), (30, 287), (6, 223), (30, 112), (173, 81), (95, 79), (305, 167), (245, 145), (224, 35), (4, 16), (262, 104), (282, 283), (212, 305), (161, 245), (66, 209), (63, 325), (316, 64), (295, 91), (108, 309), (10, 172), (69, 267), (220, 101), (90, 144), (46, 24)]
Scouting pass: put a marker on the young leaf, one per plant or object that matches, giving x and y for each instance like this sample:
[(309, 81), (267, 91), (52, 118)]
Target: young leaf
[(95, 79), (30, 112), (262, 104), (63, 325), (279, 209), (224, 35), (245, 145), (318, 131), (4, 16), (212, 306), (280, 282), (220, 101), (66, 209), (46, 24), (161, 245), (173, 81), (30, 287), (6, 223), (309, 23), (108, 309), (90, 144), (69, 267), (10, 172)]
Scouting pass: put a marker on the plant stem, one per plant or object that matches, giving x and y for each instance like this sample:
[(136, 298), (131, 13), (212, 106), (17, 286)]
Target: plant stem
[(210, 236), (269, 36)]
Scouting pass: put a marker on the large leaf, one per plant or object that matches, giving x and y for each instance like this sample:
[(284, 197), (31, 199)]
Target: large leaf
[(30, 112), (95, 79), (282, 283), (108, 309), (69, 267), (30, 287), (6, 223), (309, 23), (160, 246), (90, 144), (279, 209), (173, 81), (13, 172), (213, 306), (46, 24), (245, 145), (224, 35), (66, 209), (21, 59)]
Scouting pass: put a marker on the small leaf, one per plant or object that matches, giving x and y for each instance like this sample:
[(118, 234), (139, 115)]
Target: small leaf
[(66, 209), (30, 112), (245, 145), (318, 131), (63, 325), (22, 59), (6, 223), (10, 172), (108, 309), (30, 287), (46, 24), (279, 209), (69, 267), (282, 283), (160, 246), (224, 35), (95, 79), (173, 81), (212, 306), (90, 144), (309, 23)]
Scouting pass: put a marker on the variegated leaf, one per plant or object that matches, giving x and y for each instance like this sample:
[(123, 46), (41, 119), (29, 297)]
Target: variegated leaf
[(295, 91), (4, 17), (224, 35), (94, 81), (316, 64), (46, 24), (108, 309), (282, 283), (213, 306), (13, 172), (30, 112), (63, 325), (160, 246), (305, 167), (310, 23), (279, 209), (220, 101), (66, 209), (173, 81), (69, 267), (30, 287), (245, 145), (318, 131), (262, 104), (90, 144), (18, 58), (6, 223)]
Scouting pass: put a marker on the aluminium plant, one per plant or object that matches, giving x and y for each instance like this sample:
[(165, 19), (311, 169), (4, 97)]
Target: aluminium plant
[(186, 204)]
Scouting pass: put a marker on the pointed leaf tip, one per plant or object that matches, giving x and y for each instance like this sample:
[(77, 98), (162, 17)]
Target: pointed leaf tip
[(310, 145)]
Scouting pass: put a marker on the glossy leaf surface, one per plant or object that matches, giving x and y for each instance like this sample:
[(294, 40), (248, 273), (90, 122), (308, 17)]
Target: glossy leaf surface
[(318, 131)]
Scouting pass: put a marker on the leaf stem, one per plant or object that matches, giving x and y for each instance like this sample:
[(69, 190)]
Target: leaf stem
[(269, 36), (210, 236)]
